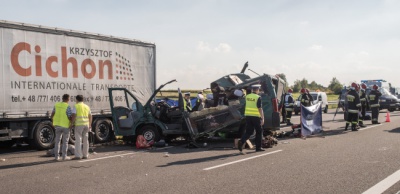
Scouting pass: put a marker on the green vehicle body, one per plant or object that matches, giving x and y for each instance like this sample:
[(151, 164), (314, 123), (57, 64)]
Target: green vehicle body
[(131, 118)]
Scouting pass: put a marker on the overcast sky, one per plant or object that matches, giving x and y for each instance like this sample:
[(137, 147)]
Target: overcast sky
[(200, 41)]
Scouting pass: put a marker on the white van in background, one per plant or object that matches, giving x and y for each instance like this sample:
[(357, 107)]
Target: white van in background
[(320, 97), (317, 97)]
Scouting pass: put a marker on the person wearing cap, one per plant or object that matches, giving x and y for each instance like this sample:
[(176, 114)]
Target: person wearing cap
[(254, 118), (187, 105)]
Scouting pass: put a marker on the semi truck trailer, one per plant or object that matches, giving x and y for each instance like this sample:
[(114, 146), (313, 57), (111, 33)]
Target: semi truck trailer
[(39, 64)]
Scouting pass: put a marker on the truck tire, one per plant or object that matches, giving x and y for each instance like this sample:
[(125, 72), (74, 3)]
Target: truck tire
[(43, 136), (150, 133), (103, 130), (391, 109)]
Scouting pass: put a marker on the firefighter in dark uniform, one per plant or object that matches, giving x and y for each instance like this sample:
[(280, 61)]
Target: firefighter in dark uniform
[(305, 98), (373, 97), (254, 118), (289, 103), (364, 104), (353, 104), (282, 108)]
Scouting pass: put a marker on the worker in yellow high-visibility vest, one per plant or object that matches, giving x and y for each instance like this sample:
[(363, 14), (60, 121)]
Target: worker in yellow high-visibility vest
[(61, 116), (254, 118), (82, 120)]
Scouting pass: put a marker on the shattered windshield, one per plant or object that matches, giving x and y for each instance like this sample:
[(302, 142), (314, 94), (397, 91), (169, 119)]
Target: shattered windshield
[(384, 91)]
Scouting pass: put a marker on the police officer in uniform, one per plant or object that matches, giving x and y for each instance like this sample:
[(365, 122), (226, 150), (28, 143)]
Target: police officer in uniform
[(354, 104), (187, 105), (254, 118), (374, 101), (364, 104), (289, 103), (305, 98)]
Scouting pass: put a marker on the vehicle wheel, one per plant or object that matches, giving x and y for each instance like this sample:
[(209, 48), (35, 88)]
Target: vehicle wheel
[(103, 130), (149, 133), (72, 136), (43, 136), (7, 144), (326, 109), (391, 109)]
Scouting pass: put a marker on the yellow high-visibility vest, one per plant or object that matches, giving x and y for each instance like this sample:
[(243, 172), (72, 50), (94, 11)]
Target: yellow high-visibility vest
[(82, 114), (60, 116), (251, 106)]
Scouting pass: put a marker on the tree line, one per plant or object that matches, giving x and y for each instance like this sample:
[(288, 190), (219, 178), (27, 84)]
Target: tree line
[(334, 87)]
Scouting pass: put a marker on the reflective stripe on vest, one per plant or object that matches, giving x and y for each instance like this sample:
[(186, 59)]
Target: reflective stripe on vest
[(82, 113), (251, 106), (374, 105), (60, 116)]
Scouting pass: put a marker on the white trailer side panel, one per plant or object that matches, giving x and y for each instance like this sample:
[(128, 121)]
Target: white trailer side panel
[(37, 68)]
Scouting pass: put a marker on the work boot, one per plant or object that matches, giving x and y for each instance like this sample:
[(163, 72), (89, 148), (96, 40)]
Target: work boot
[(240, 145), (347, 125), (354, 128), (361, 124), (289, 123)]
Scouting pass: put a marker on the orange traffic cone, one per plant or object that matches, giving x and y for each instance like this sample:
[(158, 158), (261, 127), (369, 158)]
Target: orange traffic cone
[(387, 116)]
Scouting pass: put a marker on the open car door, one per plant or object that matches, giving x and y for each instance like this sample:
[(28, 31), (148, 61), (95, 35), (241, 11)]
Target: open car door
[(126, 111)]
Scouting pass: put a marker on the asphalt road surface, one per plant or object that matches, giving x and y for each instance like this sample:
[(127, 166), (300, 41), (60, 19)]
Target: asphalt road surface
[(337, 162)]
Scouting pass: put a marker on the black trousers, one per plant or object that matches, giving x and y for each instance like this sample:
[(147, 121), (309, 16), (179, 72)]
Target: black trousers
[(253, 123), (288, 115), (361, 118), (375, 114), (283, 114), (352, 118)]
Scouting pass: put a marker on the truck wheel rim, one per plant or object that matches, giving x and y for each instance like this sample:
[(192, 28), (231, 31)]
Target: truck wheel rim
[(46, 135), (103, 131), (148, 135)]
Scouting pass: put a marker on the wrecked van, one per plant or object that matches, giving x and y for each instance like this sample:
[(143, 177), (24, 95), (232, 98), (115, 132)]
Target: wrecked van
[(155, 120)]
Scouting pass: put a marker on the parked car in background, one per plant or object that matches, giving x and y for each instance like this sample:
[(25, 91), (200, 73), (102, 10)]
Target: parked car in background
[(387, 100)]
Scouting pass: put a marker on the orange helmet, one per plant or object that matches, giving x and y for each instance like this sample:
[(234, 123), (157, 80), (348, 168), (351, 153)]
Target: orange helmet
[(375, 87), (364, 86), (290, 90), (303, 90)]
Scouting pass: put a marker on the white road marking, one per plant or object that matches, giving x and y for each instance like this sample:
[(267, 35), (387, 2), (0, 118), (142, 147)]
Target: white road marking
[(242, 160), (106, 157), (369, 127), (384, 184)]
